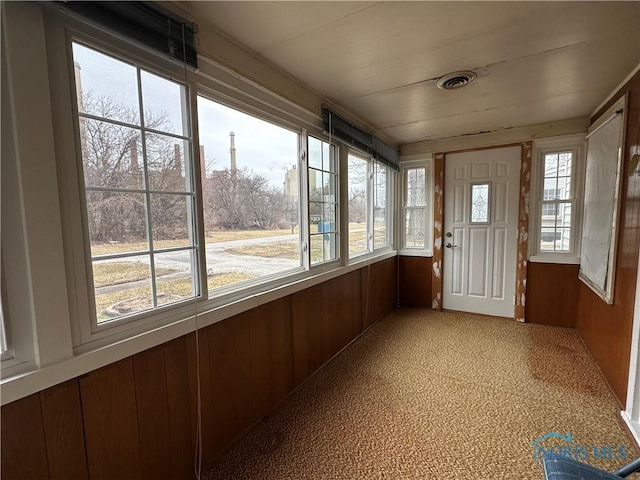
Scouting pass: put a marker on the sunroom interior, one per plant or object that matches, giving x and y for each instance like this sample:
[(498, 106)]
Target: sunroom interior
[(206, 204)]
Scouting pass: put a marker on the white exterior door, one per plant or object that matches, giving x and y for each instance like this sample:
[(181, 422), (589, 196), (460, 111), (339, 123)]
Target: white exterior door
[(481, 225)]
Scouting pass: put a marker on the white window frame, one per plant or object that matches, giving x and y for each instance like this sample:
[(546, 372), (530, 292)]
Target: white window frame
[(390, 181), (576, 144), (87, 332), (335, 150), (372, 165), (427, 250), (239, 290)]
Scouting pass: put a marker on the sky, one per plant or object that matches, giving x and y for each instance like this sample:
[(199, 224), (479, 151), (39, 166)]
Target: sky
[(263, 147)]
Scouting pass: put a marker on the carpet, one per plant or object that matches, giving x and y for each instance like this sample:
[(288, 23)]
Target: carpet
[(438, 395)]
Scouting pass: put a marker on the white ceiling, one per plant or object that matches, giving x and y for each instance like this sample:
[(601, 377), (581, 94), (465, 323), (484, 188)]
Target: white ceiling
[(536, 62)]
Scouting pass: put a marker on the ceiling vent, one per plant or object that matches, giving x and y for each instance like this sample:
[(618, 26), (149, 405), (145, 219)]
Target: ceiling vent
[(455, 80)]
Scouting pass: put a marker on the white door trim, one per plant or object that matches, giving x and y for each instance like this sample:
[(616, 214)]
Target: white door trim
[(483, 257)]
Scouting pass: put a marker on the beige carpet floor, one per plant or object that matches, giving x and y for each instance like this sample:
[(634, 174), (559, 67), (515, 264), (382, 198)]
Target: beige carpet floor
[(429, 395)]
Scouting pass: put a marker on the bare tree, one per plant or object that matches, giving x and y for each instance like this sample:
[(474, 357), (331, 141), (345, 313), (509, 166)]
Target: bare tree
[(242, 199), (113, 159)]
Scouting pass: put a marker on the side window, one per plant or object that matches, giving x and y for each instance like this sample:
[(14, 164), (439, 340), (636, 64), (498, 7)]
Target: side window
[(323, 201), (557, 206), (556, 199), (414, 208), (136, 150)]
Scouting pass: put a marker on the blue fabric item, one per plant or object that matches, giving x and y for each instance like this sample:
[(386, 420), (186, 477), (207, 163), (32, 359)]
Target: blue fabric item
[(564, 468)]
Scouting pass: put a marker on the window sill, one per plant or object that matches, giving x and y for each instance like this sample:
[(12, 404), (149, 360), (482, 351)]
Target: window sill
[(26, 383), (561, 258)]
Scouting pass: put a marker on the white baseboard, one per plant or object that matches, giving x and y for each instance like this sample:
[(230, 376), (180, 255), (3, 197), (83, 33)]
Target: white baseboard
[(633, 426)]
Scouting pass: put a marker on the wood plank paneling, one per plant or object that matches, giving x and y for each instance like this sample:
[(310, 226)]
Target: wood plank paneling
[(306, 330), (384, 288), (606, 329), (242, 371), (153, 413), (218, 405), (552, 292), (271, 355), (24, 452), (111, 422), (367, 301), (64, 432), (175, 357), (415, 281)]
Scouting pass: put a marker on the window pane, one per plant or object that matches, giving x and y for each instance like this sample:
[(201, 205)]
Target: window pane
[(174, 276), (315, 153), (163, 104), (105, 87), (122, 287), (170, 220), (415, 188), (564, 164), (117, 222), (563, 240), (250, 185), (414, 228), (551, 165), (165, 163), (547, 238), (564, 188), (111, 155), (550, 189), (357, 207), (480, 207), (563, 218)]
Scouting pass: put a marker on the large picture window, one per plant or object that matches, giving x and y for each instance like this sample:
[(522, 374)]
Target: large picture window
[(136, 152), (250, 190)]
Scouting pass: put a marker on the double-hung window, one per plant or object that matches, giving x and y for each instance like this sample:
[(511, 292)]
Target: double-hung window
[(556, 189), (414, 207), (137, 170)]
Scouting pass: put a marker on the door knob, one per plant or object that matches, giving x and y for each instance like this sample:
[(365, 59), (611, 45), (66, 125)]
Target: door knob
[(449, 245)]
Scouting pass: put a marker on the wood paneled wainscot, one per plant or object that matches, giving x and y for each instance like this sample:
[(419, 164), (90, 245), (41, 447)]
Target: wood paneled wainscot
[(552, 292), (414, 281), (136, 418)]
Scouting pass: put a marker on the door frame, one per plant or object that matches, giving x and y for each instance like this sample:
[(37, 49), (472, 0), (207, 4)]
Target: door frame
[(523, 224)]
